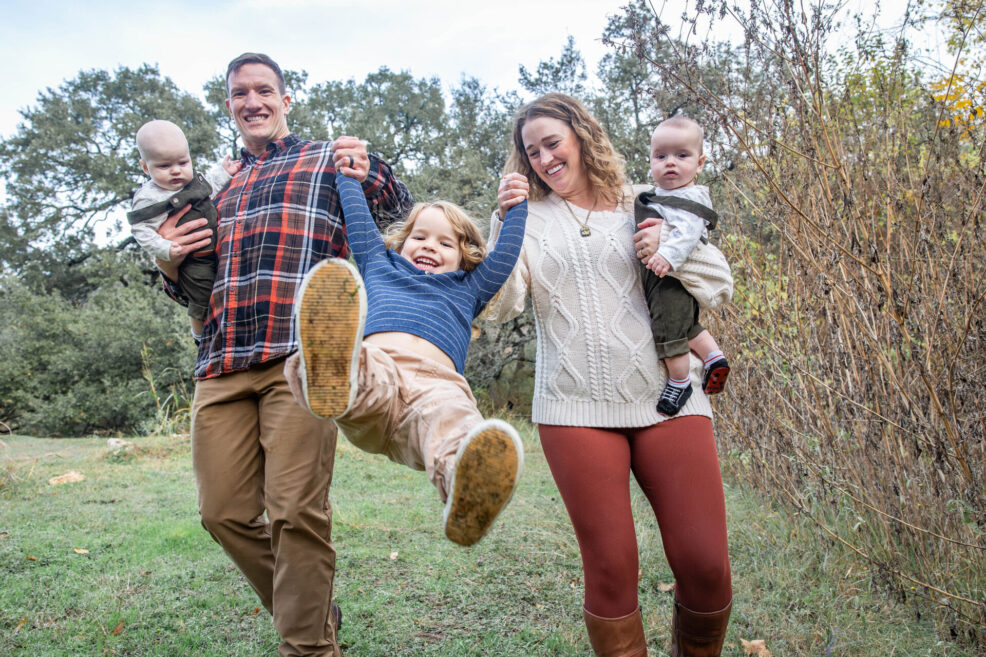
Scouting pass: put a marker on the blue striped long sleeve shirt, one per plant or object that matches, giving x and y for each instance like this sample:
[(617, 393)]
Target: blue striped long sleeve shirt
[(437, 307)]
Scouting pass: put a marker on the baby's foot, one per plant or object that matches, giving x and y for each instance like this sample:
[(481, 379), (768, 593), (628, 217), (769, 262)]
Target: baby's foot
[(672, 399), (487, 469), (330, 312), (715, 377)]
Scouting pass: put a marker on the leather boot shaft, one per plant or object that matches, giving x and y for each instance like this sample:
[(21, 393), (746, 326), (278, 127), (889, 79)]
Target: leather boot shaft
[(616, 637), (698, 634)]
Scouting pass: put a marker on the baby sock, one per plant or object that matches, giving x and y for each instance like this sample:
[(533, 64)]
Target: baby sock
[(713, 357)]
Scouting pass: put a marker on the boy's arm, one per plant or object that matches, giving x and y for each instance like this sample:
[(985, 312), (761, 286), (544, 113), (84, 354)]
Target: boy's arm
[(387, 197), (361, 232), (490, 275), (513, 295)]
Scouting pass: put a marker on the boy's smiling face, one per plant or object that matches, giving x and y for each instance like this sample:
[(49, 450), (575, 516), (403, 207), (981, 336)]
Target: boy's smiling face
[(432, 244), (675, 156), (168, 162)]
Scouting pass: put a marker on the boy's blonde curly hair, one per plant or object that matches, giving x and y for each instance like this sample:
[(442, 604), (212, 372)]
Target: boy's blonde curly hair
[(472, 246)]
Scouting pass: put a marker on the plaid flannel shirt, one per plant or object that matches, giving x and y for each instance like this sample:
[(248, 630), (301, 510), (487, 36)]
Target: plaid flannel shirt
[(279, 216)]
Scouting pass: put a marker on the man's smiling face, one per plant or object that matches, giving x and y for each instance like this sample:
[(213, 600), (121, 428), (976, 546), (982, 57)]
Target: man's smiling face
[(257, 105)]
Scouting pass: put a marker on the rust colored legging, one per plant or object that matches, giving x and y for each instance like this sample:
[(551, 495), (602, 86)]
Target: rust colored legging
[(676, 465)]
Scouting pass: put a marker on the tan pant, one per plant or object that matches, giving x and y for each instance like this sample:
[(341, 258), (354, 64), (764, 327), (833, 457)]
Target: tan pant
[(255, 449), (412, 409)]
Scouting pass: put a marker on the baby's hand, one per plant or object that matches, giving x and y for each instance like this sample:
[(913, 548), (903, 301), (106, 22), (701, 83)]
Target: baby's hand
[(659, 265), (232, 166), (513, 191), (175, 252)]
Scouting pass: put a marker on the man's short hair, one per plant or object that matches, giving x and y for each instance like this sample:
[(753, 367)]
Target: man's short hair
[(255, 58)]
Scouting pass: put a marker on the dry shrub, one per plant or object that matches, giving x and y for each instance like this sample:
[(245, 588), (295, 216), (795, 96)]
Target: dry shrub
[(854, 221)]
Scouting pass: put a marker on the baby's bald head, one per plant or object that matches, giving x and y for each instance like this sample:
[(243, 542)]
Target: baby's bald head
[(157, 137)]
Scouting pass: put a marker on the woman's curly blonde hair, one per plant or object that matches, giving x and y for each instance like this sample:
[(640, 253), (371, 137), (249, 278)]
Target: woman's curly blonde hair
[(603, 165), (472, 246)]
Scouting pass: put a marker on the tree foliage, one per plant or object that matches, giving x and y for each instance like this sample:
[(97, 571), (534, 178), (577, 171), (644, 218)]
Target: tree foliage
[(73, 161)]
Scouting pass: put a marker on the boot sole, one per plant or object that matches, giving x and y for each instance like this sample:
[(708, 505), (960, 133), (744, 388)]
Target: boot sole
[(715, 380), (487, 469), (330, 316)]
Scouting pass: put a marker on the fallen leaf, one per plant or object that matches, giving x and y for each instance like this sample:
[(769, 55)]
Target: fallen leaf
[(393, 555), (118, 629), (20, 624), (30, 558), (80, 550), (755, 648), (67, 478), (665, 588), (256, 610)]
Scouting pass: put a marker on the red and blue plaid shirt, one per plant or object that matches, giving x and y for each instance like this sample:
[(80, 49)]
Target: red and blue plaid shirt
[(279, 216)]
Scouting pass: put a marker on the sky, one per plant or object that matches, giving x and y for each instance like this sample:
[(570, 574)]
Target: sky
[(45, 42)]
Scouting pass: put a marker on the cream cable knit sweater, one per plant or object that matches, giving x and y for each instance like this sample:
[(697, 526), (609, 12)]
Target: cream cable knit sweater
[(596, 362)]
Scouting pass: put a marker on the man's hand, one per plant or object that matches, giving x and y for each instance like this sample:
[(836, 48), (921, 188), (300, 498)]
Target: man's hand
[(350, 158), (647, 239), (232, 166), (659, 265), (185, 239), (513, 190)]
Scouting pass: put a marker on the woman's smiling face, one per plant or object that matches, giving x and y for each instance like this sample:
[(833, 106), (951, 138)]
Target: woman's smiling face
[(432, 245), (555, 155)]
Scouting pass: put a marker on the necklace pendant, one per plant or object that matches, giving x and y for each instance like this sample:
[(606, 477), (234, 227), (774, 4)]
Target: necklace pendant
[(584, 231)]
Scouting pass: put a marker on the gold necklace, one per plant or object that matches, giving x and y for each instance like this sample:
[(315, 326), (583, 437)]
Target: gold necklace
[(584, 231)]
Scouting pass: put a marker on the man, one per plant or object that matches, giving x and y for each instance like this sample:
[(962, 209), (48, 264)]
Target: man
[(254, 449)]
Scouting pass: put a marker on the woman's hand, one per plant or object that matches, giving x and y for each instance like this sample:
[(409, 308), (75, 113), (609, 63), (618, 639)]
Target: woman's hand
[(185, 240), (647, 239), (513, 190), (350, 157)]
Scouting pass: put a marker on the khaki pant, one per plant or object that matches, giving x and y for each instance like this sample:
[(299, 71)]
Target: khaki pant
[(412, 409), (255, 449)]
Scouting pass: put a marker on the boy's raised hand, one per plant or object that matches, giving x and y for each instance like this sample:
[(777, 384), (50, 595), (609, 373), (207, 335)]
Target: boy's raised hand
[(513, 190)]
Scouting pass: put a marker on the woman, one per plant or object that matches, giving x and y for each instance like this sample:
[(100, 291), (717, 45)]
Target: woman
[(597, 381)]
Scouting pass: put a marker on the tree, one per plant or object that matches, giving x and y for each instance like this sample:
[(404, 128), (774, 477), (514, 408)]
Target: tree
[(73, 161), (567, 74)]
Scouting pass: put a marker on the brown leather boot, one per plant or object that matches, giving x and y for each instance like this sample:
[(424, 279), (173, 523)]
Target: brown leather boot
[(616, 637), (697, 634)]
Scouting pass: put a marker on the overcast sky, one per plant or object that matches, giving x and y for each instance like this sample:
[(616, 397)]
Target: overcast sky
[(44, 42)]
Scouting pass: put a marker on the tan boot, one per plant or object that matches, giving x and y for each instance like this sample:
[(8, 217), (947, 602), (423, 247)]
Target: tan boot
[(616, 637), (697, 634)]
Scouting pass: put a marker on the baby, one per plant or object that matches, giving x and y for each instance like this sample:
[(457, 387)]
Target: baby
[(382, 351), (676, 158), (174, 184)]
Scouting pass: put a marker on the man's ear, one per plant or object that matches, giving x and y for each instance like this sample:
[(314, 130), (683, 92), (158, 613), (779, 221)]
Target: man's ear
[(228, 108), (286, 99)]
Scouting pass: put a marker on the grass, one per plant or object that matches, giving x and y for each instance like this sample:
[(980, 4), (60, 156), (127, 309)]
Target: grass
[(153, 583)]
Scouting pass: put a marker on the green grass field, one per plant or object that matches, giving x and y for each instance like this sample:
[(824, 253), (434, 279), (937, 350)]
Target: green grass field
[(117, 564)]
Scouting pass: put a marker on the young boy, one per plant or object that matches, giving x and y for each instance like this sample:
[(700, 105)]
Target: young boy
[(382, 351), (676, 158), (174, 184)]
